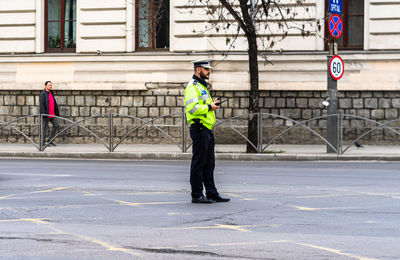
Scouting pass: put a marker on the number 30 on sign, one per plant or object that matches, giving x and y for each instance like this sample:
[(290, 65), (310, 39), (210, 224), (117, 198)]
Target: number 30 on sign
[(336, 67)]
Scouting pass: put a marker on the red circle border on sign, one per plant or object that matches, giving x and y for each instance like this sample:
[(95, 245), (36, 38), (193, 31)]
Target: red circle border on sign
[(330, 63), (331, 19)]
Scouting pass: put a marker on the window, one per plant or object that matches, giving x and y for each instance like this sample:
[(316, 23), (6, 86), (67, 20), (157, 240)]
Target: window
[(60, 25), (353, 22), (152, 24)]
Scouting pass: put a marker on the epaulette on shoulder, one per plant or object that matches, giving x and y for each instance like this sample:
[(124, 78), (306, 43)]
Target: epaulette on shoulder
[(192, 82)]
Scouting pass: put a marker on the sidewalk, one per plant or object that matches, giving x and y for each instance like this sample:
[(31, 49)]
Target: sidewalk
[(223, 152)]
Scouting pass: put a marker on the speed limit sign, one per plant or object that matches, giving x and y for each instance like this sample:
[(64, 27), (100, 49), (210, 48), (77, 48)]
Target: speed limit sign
[(336, 67)]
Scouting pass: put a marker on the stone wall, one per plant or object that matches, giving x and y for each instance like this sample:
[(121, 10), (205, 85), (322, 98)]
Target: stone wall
[(380, 106), (159, 101)]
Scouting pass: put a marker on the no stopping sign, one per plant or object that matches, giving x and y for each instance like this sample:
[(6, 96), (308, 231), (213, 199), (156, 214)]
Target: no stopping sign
[(335, 26), (336, 67)]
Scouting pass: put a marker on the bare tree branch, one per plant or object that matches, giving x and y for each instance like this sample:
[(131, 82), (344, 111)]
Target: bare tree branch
[(265, 23), (235, 15), (265, 6)]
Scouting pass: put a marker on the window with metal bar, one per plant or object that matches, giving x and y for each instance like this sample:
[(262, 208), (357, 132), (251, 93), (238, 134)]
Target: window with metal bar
[(353, 25)]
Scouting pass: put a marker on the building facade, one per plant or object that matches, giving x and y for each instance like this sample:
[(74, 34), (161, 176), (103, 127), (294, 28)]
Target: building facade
[(133, 57)]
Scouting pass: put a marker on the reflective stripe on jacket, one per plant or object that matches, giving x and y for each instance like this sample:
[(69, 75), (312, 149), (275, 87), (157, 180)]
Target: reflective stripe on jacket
[(197, 98)]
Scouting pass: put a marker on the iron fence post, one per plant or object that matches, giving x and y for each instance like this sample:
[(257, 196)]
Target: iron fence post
[(259, 133), (340, 133), (111, 132), (183, 131), (41, 133), (338, 148)]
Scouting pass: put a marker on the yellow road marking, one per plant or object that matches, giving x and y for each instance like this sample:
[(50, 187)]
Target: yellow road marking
[(239, 243), (44, 221), (393, 195), (331, 250), (34, 192), (220, 226), (238, 196), (241, 228), (49, 190), (106, 245), (110, 247), (151, 192), (390, 195), (33, 220), (87, 193), (238, 228), (304, 208), (178, 214), (323, 196)]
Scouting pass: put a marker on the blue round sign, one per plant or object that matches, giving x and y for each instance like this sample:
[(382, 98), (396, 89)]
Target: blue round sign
[(335, 26)]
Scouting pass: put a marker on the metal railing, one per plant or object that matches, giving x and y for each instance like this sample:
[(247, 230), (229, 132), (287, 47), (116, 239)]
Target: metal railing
[(111, 144)]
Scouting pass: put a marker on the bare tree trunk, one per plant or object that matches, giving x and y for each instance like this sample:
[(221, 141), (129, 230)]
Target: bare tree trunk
[(251, 18), (254, 93)]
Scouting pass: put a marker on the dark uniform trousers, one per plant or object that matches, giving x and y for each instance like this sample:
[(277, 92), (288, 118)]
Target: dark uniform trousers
[(203, 161), (54, 130)]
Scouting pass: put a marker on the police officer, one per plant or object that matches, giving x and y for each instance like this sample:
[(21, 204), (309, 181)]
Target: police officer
[(200, 114)]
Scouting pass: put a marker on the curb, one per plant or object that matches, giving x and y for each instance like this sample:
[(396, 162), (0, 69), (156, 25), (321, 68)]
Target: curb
[(188, 156)]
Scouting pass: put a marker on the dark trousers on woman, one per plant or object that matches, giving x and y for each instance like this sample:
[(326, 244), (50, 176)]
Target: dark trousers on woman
[(203, 161), (54, 130)]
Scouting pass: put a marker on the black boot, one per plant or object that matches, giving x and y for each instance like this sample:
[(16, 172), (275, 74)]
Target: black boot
[(202, 199), (219, 199)]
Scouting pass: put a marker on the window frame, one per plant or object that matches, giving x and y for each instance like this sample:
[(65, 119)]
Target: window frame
[(345, 36), (62, 28), (153, 33)]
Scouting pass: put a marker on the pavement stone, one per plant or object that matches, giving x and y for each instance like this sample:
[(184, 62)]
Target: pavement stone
[(223, 152)]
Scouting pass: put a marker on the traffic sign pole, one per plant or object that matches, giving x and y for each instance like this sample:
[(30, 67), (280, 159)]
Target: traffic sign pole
[(335, 26), (332, 109), (333, 48)]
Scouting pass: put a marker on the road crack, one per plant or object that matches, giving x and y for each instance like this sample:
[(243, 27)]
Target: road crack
[(39, 240), (190, 252), (218, 217)]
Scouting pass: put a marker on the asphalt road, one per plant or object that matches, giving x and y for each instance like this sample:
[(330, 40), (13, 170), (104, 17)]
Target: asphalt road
[(72, 209)]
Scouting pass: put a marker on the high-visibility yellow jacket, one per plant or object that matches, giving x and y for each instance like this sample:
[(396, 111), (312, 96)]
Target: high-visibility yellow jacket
[(197, 98)]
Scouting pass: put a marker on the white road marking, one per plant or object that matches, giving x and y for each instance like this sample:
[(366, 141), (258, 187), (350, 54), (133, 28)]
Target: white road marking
[(36, 174), (315, 209), (136, 204)]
